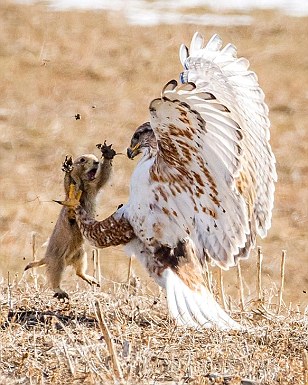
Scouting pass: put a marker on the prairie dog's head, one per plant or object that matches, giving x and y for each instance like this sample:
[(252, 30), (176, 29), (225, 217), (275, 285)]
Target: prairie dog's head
[(86, 168)]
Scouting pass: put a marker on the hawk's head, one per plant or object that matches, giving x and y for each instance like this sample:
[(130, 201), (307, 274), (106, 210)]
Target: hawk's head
[(143, 140)]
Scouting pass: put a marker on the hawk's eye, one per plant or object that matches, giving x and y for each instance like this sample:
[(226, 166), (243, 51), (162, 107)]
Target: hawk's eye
[(137, 136)]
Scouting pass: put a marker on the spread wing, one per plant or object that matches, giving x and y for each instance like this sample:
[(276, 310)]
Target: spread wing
[(218, 70), (212, 179), (198, 160)]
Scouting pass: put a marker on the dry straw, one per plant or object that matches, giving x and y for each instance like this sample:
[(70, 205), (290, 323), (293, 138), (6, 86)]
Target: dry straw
[(282, 276), (259, 274), (69, 360), (94, 262), (305, 366), (110, 345), (240, 287), (96, 266), (221, 289), (129, 273), (33, 243)]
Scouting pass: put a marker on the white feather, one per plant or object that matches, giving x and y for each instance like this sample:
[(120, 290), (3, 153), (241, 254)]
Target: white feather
[(229, 78), (195, 308)]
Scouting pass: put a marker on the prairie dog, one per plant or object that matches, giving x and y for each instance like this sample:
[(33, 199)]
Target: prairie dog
[(66, 244)]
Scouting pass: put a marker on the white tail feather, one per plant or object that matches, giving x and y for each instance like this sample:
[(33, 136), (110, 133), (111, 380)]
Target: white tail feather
[(195, 308)]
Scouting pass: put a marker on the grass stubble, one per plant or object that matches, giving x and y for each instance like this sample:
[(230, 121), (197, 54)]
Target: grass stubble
[(121, 333), (57, 65)]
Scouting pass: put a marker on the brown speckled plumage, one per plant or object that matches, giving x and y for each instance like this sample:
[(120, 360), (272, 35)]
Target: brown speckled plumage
[(109, 232)]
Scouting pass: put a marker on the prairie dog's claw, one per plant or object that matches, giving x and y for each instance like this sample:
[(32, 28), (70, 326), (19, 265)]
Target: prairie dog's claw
[(67, 165), (107, 151)]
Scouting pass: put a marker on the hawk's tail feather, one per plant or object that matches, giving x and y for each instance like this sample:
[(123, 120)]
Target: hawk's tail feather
[(195, 308)]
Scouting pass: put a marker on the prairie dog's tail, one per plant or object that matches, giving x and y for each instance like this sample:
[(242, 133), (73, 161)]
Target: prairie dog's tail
[(30, 265)]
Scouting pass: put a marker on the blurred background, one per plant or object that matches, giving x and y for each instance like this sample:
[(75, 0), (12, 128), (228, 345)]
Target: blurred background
[(106, 61)]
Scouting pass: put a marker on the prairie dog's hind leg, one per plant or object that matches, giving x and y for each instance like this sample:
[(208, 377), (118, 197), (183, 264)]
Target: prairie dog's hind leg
[(80, 263), (54, 273)]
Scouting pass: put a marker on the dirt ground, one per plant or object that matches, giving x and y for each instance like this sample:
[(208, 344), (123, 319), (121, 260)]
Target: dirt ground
[(45, 341), (56, 65)]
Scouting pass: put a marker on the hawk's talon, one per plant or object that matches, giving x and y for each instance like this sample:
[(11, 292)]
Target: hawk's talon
[(73, 200)]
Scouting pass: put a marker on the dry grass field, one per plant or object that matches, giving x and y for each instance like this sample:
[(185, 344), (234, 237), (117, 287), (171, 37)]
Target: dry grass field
[(44, 341), (56, 65)]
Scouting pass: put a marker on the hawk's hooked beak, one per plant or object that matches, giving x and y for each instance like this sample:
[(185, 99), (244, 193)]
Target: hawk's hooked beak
[(132, 152)]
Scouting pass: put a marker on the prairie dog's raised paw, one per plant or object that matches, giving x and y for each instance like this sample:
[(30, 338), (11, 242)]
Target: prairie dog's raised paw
[(67, 165), (107, 151)]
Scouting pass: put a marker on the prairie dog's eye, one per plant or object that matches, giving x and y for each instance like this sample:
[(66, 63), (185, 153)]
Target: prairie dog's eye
[(82, 160)]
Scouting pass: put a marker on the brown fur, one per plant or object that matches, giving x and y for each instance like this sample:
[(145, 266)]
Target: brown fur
[(66, 244)]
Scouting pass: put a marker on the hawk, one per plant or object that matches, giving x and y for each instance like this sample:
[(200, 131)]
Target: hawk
[(204, 187)]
